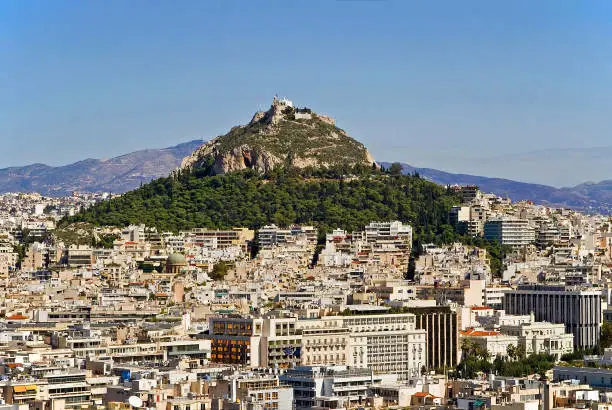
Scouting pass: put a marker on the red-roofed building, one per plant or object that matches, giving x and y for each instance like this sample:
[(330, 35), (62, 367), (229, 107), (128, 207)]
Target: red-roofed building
[(474, 332), (424, 398), (496, 343), (17, 316)]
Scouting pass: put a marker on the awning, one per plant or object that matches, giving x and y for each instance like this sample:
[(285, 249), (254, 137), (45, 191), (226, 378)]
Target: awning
[(19, 389)]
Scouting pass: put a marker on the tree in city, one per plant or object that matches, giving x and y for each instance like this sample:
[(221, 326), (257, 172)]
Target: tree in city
[(219, 271), (605, 340)]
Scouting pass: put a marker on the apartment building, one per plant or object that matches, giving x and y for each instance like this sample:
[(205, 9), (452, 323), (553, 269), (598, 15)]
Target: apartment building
[(386, 343), (330, 386), (22, 392), (69, 385), (78, 256), (468, 219), (509, 231), (281, 343), (325, 341), (548, 235), (376, 231), (254, 391), (271, 235), (494, 296), (239, 237), (134, 353), (469, 193), (187, 403), (235, 340), (592, 376), (8, 260)]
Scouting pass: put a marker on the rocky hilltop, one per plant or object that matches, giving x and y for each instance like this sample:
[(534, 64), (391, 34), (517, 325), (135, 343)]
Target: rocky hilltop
[(283, 135)]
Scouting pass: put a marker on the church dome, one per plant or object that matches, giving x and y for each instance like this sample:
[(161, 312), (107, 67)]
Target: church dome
[(176, 259)]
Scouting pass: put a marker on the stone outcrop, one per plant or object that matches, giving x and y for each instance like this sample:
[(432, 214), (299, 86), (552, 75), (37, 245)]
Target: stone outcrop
[(238, 158), (279, 136)]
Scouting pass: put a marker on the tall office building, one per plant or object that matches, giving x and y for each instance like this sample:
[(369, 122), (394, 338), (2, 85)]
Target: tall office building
[(440, 323), (578, 309)]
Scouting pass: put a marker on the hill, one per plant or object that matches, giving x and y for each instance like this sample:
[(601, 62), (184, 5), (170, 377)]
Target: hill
[(283, 135), (247, 198), (119, 174), (287, 166), (588, 197)]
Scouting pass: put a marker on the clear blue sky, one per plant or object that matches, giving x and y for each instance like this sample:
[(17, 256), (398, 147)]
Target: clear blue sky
[(431, 83)]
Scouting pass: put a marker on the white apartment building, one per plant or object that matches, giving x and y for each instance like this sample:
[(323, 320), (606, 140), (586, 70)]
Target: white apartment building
[(459, 214), (271, 235), (342, 386), (509, 231), (388, 230), (133, 233), (494, 296), (280, 344), (468, 219), (386, 343), (8, 259), (325, 341)]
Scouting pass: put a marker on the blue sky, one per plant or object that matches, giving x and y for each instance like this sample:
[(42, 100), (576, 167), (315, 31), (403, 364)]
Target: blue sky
[(441, 84)]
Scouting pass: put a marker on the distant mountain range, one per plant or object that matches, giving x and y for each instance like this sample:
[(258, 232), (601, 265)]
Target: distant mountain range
[(119, 174), (558, 167), (127, 172), (588, 197)]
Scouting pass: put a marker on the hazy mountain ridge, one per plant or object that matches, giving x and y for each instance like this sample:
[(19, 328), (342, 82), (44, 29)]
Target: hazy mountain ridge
[(587, 197), (557, 167), (119, 174), (127, 172)]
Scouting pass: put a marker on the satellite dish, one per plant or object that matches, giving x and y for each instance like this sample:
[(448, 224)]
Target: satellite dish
[(135, 401)]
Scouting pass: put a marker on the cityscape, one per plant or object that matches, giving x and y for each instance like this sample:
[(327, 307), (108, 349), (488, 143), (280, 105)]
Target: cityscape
[(285, 264)]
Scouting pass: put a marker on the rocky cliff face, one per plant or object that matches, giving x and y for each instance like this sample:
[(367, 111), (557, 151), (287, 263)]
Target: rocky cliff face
[(280, 136), (238, 158)]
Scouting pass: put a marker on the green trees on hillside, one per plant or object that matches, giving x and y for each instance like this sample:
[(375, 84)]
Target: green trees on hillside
[(345, 196), (496, 252), (248, 199)]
